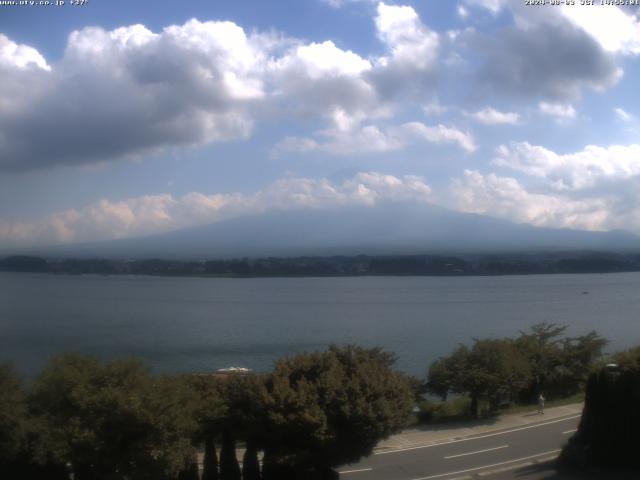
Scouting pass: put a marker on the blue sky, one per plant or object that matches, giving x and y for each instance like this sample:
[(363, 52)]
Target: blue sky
[(120, 119)]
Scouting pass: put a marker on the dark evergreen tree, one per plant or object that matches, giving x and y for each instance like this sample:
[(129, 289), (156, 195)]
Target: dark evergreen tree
[(229, 467), (250, 464), (210, 462), (191, 471)]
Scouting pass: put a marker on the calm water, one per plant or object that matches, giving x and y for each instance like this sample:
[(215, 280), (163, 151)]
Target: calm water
[(200, 324)]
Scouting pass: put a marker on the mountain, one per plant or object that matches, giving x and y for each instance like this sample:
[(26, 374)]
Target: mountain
[(387, 229)]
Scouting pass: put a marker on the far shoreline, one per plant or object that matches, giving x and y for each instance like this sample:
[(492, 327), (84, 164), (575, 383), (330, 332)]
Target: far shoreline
[(340, 266)]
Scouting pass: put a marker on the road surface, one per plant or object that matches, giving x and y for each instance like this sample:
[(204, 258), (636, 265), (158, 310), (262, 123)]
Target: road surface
[(466, 456)]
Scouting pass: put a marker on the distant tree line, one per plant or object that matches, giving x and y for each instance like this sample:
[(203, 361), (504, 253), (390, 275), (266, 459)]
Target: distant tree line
[(506, 370), (497, 264), (92, 420)]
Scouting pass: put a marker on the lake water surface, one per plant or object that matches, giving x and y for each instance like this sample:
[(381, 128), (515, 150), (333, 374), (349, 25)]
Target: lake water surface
[(201, 324)]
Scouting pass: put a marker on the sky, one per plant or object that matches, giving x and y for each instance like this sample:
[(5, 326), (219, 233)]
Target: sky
[(121, 119)]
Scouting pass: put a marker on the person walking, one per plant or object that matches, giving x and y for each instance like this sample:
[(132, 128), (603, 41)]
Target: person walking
[(541, 400)]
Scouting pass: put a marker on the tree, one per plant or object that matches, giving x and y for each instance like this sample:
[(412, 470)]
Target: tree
[(244, 397), (210, 414), (444, 374), (543, 348), (229, 467), (491, 369), (250, 464), (608, 432), (112, 420), (329, 408)]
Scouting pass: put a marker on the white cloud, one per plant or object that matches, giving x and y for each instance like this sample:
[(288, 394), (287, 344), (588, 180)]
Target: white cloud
[(411, 43), (359, 141), (565, 111), (462, 11), (490, 116), (562, 58), (441, 134), (494, 6), (610, 26), (342, 3), (587, 168), (505, 197), (136, 92), (20, 56), (132, 92), (318, 60), (624, 115), (151, 214), (371, 139)]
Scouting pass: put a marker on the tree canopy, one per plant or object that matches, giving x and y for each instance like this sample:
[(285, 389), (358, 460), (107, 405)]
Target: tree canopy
[(540, 360), (333, 407)]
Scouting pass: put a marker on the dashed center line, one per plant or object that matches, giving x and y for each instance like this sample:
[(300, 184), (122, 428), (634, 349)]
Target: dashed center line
[(522, 459), (355, 471), (478, 451), (477, 437)]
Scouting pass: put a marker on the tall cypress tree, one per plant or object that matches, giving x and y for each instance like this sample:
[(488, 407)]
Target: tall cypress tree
[(191, 471), (210, 462), (250, 464), (229, 467)]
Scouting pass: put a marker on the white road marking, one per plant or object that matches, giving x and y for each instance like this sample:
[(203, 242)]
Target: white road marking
[(479, 451), (355, 471), (570, 431), (447, 442), (440, 475)]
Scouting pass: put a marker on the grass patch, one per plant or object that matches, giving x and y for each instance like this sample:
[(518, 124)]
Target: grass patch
[(559, 402), (458, 409), (453, 410)]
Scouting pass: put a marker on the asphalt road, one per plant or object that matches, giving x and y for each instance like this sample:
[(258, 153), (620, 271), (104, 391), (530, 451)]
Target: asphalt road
[(463, 457)]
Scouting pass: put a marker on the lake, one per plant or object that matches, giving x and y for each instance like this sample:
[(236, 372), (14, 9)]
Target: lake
[(201, 324)]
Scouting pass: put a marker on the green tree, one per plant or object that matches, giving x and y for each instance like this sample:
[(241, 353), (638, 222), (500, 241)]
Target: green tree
[(493, 370), (329, 408), (542, 346), (211, 413), (112, 420), (244, 396), (443, 377)]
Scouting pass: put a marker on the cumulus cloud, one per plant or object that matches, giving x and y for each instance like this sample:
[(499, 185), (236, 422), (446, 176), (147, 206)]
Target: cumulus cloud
[(20, 56), (614, 29), (131, 91), (546, 53), (491, 116), (411, 43), (441, 134), (505, 197), (409, 66), (322, 79), (553, 61), (587, 168), (151, 214), (372, 139), (558, 110)]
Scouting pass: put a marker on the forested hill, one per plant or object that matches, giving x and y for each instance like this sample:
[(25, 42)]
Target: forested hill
[(507, 264)]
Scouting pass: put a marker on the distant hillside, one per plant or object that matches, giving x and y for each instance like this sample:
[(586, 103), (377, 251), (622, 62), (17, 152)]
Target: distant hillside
[(393, 229)]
